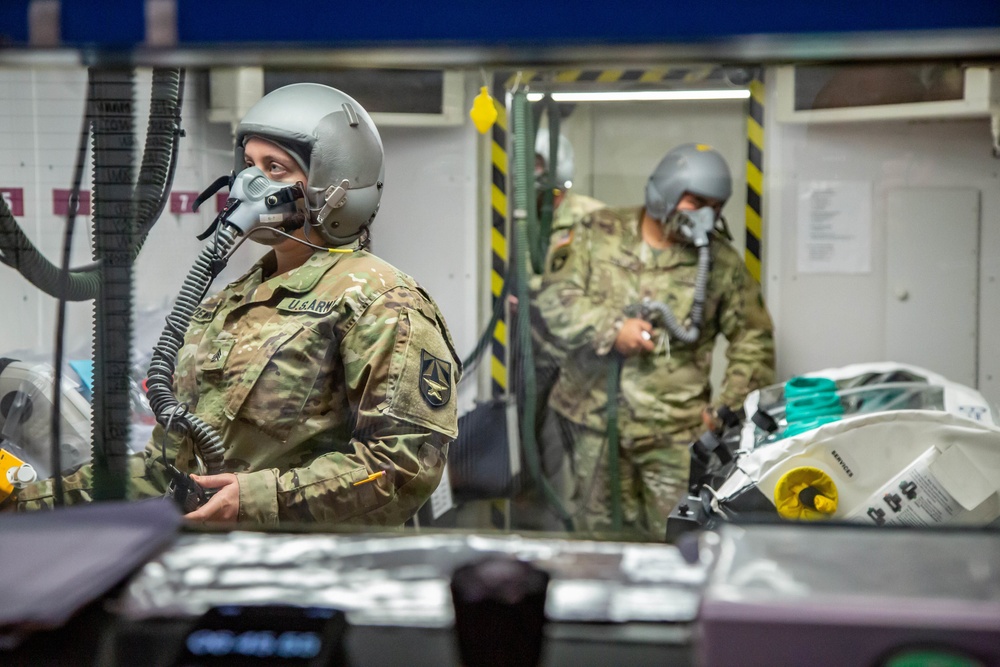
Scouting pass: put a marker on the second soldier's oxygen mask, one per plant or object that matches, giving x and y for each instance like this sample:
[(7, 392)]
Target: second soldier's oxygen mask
[(255, 201), (691, 226)]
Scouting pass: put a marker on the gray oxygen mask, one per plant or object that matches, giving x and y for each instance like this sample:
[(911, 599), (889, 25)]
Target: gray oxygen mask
[(693, 226), (257, 201)]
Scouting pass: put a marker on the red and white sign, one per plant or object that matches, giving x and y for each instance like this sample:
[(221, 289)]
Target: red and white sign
[(15, 199), (182, 202), (60, 202)]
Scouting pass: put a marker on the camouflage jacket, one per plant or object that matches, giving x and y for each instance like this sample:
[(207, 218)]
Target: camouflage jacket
[(316, 379), (607, 267), (571, 210)]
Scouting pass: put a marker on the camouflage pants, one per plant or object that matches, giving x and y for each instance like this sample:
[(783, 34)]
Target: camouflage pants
[(654, 476)]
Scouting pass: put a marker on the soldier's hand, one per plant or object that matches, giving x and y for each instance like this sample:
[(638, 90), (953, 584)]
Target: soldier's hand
[(512, 302), (709, 420), (224, 505), (635, 336)]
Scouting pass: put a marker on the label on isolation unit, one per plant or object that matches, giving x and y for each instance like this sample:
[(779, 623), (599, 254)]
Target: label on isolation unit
[(914, 497)]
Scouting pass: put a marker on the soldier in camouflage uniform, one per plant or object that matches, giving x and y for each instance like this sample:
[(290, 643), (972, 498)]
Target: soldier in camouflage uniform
[(530, 510), (330, 377), (618, 258)]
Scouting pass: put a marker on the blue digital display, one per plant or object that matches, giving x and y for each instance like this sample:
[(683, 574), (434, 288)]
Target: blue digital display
[(264, 634), (288, 645)]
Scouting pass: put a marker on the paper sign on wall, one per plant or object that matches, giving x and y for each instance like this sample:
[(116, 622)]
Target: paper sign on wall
[(834, 227)]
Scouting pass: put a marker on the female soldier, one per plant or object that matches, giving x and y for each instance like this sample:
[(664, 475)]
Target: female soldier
[(329, 375)]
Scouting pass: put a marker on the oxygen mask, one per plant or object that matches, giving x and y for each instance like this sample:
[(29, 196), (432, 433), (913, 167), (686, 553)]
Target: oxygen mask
[(691, 226), (256, 201)]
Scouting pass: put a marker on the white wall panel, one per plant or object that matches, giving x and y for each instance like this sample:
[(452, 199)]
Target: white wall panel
[(825, 320)]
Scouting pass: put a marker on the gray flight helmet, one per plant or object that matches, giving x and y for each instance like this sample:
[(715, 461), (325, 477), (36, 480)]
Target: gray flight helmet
[(336, 143), (564, 157), (695, 168)]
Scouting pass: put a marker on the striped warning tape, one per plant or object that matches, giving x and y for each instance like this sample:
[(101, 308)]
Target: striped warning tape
[(755, 176), (654, 75), (498, 239)]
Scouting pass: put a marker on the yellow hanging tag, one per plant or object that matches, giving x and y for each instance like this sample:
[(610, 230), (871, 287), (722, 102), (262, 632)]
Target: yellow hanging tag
[(483, 113)]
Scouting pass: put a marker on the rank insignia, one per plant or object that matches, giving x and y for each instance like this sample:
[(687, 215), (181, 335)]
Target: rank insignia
[(435, 380), (218, 353)]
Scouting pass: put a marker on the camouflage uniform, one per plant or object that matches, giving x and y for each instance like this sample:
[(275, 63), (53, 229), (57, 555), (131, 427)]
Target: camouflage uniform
[(662, 395), (314, 379), (530, 510)]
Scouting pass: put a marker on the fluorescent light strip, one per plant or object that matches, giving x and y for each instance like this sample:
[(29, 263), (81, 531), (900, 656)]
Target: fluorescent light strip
[(645, 95)]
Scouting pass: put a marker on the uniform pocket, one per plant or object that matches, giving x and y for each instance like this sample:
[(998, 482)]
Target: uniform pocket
[(270, 388)]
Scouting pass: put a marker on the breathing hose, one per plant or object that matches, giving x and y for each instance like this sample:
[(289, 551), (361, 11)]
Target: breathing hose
[(155, 178), (159, 383), (684, 334), (645, 309), (543, 230), (110, 102), (524, 215), (614, 472)]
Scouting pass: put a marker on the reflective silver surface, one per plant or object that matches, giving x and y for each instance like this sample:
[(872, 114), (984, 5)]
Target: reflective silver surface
[(403, 580)]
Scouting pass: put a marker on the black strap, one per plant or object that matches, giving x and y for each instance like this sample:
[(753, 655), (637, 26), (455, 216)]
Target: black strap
[(230, 206), (764, 421), (284, 196), (729, 417), (211, 190), (5, 362), (707, 444)]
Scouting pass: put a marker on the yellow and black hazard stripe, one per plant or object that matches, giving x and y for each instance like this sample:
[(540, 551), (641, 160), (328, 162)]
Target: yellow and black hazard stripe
[(498, 240), (654, 75), (755, 176)]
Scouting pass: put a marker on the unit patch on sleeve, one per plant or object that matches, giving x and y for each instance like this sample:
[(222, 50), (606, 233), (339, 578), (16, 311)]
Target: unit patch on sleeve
[(435, 380), (559, 258)]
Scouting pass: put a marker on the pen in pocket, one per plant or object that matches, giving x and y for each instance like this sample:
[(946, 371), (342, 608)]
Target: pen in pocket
[(371, 478)]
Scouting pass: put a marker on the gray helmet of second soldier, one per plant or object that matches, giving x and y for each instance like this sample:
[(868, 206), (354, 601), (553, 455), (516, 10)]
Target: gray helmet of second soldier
[(336, 143), (564, 158), (695, 168)]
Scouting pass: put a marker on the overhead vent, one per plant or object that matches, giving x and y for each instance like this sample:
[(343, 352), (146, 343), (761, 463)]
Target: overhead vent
[(392, 96), (885, 91)]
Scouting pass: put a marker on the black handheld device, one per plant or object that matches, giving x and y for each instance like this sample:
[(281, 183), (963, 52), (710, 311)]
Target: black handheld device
[(187, 493)]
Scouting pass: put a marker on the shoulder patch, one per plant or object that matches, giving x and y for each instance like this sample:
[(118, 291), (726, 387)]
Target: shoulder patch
[(205, 312), (559, 257), (435, 379), (562, 238)]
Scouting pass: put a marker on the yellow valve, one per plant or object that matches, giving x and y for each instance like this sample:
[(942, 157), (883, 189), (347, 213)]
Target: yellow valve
[(8, 462), (483, 112), (805, 493)]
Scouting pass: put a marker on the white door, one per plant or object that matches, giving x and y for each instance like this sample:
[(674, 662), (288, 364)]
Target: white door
[(932, 278)]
